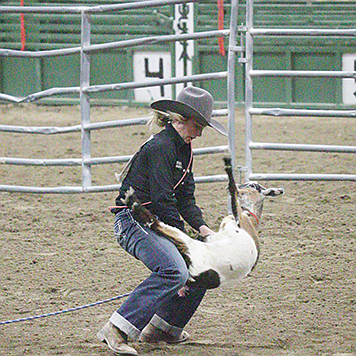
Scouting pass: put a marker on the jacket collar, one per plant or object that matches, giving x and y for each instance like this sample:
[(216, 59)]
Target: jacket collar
[(172, 132)]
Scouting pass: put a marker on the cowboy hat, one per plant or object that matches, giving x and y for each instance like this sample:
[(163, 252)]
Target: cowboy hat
[(193, 103)]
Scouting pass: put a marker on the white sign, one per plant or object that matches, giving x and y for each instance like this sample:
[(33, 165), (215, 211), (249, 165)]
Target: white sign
[(348, 84), (149, 66), (184, 51)]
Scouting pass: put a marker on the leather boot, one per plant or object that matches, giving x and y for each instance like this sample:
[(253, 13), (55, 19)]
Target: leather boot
[(115, 339), (152, 334)]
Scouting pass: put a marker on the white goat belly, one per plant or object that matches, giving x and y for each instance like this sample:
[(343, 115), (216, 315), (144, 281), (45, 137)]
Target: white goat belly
[(232, 257)]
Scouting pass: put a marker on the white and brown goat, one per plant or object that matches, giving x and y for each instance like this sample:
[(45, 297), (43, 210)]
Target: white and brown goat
[(232, 252)]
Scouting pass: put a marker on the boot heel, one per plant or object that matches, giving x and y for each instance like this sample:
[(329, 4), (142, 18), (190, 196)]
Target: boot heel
[(110, 335), (101, 336)]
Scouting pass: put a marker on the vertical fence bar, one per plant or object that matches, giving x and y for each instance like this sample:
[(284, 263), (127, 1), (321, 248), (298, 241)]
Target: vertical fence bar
[(248, 86), (231, 80), (231, 60), (84, 100)]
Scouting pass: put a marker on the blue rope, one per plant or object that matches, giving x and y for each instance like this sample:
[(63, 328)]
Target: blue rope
[(64, 311)]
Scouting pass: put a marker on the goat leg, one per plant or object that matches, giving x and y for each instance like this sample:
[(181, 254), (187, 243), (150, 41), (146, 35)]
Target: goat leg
[(232, 187)]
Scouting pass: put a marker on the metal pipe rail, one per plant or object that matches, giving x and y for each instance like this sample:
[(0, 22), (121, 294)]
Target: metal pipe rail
[(54, 130), (93, 161), (175, 80), (41, 94), (92, 189), (112, 87), (4, 52), (301, 147), (301, 32), (302, 73), (302, 112), (250, 73), (302, 177), (154, 40), (91, 9), (110, 46)]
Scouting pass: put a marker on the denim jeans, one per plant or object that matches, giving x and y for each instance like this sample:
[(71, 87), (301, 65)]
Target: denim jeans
[(158, 294)]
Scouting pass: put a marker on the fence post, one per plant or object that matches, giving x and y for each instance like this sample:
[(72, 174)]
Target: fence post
[(231, 79), (85, 100), (249, 86)]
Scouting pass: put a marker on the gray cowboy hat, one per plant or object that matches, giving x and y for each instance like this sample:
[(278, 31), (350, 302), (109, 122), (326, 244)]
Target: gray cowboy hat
[(193, 103)]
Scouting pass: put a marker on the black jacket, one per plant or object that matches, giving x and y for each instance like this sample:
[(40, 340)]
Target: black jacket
[(156, 169)]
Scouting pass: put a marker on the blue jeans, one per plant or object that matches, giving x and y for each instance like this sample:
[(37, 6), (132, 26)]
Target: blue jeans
[(158, 294)]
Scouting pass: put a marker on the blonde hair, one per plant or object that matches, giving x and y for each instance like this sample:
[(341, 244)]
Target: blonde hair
[(162, 118)]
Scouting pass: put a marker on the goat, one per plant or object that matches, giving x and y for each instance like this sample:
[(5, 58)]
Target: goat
[(228, 255)]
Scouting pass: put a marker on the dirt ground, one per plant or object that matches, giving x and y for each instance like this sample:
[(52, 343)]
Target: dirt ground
[(58, 251)]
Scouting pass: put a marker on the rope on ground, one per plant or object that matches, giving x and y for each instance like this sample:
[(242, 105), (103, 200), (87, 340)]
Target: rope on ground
[(64, 311)]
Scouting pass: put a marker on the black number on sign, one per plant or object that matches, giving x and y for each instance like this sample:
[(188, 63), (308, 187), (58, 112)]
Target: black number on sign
[(158, 74)]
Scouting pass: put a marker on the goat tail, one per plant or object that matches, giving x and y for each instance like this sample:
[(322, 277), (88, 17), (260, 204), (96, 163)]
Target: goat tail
[(143, 215), (232, 187), (139, 211)]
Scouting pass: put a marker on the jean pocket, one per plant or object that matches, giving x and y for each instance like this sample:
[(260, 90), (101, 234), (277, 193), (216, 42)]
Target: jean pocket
[(118, 231)]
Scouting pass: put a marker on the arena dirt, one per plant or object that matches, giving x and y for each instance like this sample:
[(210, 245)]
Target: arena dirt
[(58, 251)]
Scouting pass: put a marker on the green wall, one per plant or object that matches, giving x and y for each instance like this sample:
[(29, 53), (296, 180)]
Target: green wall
[(21, 76)]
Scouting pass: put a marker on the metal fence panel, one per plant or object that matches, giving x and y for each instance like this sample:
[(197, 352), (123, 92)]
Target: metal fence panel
[(86, 90), (311, 79)]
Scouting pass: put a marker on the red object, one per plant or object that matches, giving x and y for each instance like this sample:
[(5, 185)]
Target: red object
[(221, 26), (23, 30)]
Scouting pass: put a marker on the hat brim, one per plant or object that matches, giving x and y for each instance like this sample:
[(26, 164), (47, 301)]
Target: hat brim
[(187, 111)]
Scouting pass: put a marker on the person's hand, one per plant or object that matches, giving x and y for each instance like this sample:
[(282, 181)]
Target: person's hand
[(205, 231)]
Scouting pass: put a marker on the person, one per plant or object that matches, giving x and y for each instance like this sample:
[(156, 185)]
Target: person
[(161, 175)]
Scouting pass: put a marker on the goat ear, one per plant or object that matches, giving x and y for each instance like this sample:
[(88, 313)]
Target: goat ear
[(273, 192)]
